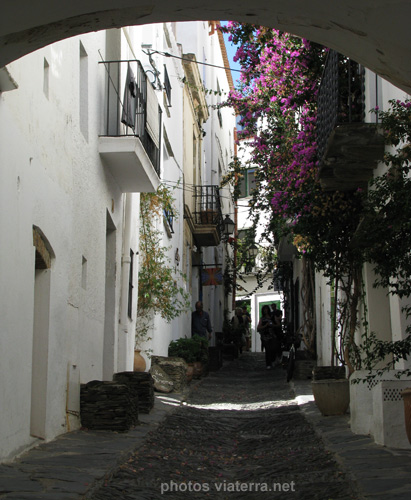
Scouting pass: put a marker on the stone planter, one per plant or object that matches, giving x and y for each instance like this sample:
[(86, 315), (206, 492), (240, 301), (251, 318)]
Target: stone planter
[(406, 396), (176, 369), (332, 396)]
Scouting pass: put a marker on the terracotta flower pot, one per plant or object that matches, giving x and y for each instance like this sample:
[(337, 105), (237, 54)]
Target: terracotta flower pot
[(139, 361), (332, 396), (406, 396), (198, 369), (190, 372)]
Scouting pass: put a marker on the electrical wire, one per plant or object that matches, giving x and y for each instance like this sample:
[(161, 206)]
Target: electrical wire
[(167, 54), (191, 188)]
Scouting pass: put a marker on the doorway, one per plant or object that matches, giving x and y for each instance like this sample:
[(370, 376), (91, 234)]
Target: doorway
[(41, 320), (109, 348)]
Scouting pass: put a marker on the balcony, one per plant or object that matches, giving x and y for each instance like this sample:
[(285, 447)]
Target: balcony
[(130, 143), (206, 220), (348, 148)]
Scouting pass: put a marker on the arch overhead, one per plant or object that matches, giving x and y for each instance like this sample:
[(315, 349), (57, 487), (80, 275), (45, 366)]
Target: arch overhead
[(375, 33)]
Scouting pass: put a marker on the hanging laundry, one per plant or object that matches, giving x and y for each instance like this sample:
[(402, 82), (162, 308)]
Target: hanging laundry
[(128, 116)]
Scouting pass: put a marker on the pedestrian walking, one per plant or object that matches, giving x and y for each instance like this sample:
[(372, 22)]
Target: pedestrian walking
[(266, 329), (239, 329), (200, 322), (247, 322), (277, 318)]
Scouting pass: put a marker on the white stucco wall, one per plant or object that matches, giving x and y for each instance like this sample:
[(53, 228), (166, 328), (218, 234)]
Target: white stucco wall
[(323, 320), (217, 145), (53, 178)]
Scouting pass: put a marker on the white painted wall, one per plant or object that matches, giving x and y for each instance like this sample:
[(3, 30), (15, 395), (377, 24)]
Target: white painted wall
[(323, 319), (53, 178), (217, 144)]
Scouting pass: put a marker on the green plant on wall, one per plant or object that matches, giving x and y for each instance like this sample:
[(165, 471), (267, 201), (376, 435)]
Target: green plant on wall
[(384, 234), (159, 287)]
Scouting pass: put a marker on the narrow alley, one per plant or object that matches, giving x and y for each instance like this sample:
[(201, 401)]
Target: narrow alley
[(240, 432)]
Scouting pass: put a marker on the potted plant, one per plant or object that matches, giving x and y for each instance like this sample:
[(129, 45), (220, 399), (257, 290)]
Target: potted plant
[(193, 350), (139, 363), (331, 390), (160, 290), (140, 342), (187, 349), (330, 385)]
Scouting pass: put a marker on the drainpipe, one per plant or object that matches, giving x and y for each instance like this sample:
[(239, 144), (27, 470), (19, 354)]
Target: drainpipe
[(123, 340)]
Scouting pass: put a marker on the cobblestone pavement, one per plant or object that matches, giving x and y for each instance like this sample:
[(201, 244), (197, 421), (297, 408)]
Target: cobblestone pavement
[(240, 434)]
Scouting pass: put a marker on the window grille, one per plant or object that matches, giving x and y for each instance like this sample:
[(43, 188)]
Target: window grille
[(340, 98)]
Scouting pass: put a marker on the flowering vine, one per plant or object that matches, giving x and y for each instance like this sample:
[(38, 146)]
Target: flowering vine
[(277, 102)]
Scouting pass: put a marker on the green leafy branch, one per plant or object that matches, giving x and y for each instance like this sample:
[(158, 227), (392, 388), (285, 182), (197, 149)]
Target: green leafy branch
[(159, 291)]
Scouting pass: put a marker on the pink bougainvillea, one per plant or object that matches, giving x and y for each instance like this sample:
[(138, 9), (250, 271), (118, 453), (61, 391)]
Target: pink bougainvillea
[(276, 100)]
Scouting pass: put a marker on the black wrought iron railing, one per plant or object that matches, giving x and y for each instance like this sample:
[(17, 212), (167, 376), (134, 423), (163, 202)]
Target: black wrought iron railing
[(340, 98), (131, 108), (207, 206)]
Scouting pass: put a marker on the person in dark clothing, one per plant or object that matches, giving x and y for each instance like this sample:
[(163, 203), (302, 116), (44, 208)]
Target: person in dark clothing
[(239, 329), (266, 329), (200, 322), (247, 321), (276, 316)]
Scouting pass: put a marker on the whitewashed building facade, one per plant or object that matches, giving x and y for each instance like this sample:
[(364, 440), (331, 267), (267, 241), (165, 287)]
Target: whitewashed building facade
[(376, 406), (72, 168)]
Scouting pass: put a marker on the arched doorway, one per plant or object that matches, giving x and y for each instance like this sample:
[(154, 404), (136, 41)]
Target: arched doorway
[(41, 317), (375, 33)]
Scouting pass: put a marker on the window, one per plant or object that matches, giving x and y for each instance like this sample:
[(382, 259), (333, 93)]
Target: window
[(46, 78), (167, 86), (247, 183), (169, 219), (83, 92), (84, 273), (195, 176), (219, 115)]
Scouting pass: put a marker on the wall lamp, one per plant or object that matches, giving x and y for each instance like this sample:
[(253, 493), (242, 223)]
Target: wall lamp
[(228, 226), (252, 251)]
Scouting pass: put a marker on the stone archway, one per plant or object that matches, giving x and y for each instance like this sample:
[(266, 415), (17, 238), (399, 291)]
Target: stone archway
[(373, 32)]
